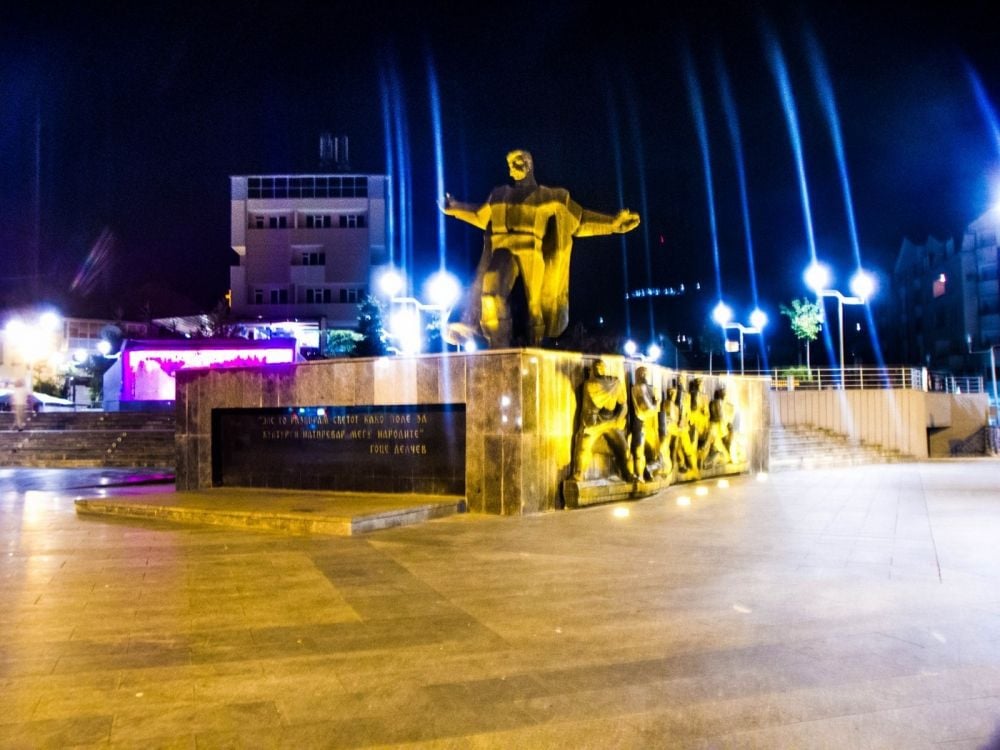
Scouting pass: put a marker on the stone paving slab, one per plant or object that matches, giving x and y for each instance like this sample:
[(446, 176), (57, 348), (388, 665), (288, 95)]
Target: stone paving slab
[(837, 608), (287, 511)]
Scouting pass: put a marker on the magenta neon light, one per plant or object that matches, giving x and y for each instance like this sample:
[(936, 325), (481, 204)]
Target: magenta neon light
[(149, 374)]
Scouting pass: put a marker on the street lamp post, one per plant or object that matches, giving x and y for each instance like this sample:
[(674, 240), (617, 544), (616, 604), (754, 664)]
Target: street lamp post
[(406, 318), (817, 277), (723, 316), (33, 341)]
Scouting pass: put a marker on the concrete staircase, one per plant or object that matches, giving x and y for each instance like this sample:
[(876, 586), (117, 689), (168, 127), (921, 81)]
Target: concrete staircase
[(89, 439), (809, 447)]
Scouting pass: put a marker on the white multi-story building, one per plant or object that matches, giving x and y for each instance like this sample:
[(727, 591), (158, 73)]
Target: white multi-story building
[(308, 245)]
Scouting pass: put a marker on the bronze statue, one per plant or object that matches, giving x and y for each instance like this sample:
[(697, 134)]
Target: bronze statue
[(603, 413), (529, 230)]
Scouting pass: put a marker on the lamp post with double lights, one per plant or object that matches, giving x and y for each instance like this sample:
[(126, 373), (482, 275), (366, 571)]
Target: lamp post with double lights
[(652, 354), (817, 278), (406, 314), (723, 315), (33, 341)]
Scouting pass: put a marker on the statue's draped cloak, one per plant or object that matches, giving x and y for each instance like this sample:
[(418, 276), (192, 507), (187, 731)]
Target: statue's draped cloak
[(557, 219)]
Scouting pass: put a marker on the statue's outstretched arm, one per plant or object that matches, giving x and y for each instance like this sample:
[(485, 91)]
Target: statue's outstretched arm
[(478, 216), (593, 223)]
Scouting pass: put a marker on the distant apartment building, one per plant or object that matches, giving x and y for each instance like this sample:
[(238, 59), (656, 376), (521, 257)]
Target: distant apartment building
[(947, 298), (307, 244)]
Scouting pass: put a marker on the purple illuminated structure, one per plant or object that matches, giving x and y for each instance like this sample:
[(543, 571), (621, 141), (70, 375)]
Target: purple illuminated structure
[(143, 377)]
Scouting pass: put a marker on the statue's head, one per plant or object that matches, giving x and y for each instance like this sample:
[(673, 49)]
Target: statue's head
[(600, 369), (520, 164), (642, 375)]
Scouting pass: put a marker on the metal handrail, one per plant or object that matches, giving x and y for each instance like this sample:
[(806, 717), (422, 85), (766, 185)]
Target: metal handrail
[(873, 378)]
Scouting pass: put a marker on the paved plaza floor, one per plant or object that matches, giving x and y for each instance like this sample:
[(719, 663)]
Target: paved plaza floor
[(836, 608)]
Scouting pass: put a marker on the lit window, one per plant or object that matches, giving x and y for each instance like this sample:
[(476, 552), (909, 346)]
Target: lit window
[(939, 285)]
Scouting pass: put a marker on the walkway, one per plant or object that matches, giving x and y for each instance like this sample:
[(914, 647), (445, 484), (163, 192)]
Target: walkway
[(840, 608)]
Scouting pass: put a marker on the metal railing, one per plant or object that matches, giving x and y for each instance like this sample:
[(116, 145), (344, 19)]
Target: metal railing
[(873, 378)]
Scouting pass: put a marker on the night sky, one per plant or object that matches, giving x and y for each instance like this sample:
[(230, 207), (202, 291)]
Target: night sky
[(120, 128)]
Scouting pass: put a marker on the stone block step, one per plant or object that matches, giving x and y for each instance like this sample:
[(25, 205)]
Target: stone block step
[(801, 447), (276, 510)]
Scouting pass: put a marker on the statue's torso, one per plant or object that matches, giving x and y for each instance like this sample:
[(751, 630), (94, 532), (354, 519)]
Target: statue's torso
[(519, 216)]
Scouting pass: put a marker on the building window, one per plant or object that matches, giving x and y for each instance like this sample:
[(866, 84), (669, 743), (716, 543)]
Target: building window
[(258, 296), (277, 222), (352, 295), (322, 221), (307, 186), (352, 221), (314, 259), (327, 296)]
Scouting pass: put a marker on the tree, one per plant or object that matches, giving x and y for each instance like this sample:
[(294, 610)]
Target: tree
[(370, 326), (806, 319), (95, 367), (338, 343)]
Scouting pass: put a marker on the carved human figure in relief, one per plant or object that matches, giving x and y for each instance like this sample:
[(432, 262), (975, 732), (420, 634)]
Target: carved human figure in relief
[(678, 446), (603, 413), (718, 433), (645, 408), (529, 230)]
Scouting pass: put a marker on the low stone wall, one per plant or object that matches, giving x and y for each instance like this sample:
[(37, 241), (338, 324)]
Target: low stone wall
[(520, 411), (917, 423)]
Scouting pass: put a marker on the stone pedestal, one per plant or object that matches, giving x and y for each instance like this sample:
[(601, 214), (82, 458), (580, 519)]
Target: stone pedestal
[(520, 411)]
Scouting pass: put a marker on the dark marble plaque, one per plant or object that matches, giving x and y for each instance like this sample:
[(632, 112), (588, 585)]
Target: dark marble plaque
[(404, 448)]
